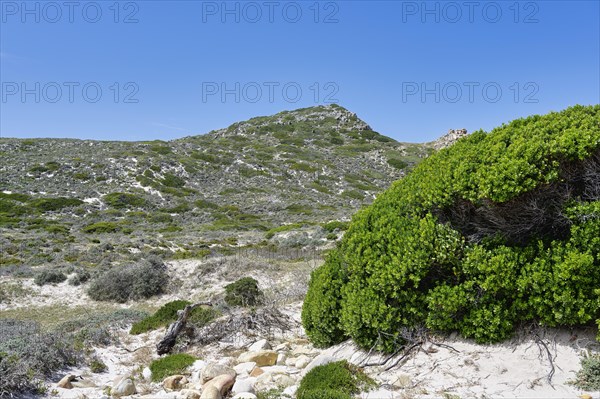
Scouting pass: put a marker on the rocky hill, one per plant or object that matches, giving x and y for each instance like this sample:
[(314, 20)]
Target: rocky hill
[(250, 183), (241, 218)]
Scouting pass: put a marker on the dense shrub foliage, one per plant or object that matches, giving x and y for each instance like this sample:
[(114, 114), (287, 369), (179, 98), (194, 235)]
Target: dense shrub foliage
[(338, 380), (243, 292), (170, 365), (122, 283), (501, 228)]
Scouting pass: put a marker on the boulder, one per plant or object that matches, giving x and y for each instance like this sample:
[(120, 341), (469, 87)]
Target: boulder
[(189, 394), (320, 360), (283, 347), (244, 368), (291, 391), (243, 386), (124, 387), (281, 359), (147, 374), (213, 370), (303, 350), (261, 358), (291, 361), (265, 382), (218, 387), (302, 361), (259, 346), (65, 382), (256, 371), (283, 380), (175, 382), (245, 395), (211, 392)]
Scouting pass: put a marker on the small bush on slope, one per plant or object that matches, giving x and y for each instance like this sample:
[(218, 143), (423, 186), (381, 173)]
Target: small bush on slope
[(243, 292), (499, 228), (338, 380), (139, 281), (162, 317), (588, 378), (170, 365), (49, 277)]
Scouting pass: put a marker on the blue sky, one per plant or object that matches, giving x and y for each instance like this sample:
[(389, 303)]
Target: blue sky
[(143, 70)]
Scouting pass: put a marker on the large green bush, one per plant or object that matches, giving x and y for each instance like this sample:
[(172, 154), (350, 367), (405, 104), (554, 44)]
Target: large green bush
[(501, 228)]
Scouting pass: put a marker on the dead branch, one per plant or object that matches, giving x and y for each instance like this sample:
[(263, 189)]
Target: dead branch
[(167, 343), (543, 347), (264, 321)]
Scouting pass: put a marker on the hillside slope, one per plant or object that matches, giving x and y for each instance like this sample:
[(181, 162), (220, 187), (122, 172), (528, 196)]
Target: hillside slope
[(226, 187)]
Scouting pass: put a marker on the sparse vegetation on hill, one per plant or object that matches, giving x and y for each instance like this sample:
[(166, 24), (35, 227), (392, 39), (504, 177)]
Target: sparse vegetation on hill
[(295, 168), (499, 229)]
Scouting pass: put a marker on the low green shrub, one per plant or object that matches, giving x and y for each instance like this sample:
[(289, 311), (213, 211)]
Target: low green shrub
[(171, 180), (165, 315), (102, 227), (334, 225), (81, 277), (54, 204), (273, 393), (133, 282), (97, 365), (124, 200), (338, 380), (397, 163), (49, 277), (286, 227), (170, 365), (161, 149), (204, 204), (243, 292), (588, 378), (202, 316)]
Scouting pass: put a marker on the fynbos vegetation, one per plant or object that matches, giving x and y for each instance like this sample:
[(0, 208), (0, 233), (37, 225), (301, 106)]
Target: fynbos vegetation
[(500, 228)]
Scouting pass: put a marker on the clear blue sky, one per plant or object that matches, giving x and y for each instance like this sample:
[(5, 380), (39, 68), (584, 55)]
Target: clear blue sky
[(387, 61)]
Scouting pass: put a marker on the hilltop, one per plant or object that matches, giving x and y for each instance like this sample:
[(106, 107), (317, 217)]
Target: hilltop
[(234, 186)]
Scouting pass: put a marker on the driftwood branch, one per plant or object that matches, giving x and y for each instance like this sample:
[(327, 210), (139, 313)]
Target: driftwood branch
[(168, 342)]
